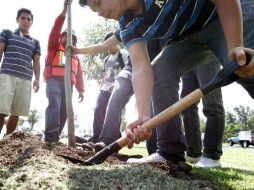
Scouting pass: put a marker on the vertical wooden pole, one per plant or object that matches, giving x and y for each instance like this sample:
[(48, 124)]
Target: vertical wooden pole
[(67, 81)]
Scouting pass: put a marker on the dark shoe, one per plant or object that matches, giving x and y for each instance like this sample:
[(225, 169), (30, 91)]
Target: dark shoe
[(80, 140), (87, 146), (92, 140), (99, 146), (181, 166)]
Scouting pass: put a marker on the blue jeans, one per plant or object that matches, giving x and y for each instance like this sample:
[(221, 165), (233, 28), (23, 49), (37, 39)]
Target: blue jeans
[(99, 113), (180, 57), (55, 115), (212, 108), (120, 96)]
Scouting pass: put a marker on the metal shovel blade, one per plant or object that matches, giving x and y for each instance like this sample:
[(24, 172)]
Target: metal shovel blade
[(102, 155)]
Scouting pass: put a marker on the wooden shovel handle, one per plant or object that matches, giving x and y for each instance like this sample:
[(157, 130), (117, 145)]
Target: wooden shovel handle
[(168, 113)]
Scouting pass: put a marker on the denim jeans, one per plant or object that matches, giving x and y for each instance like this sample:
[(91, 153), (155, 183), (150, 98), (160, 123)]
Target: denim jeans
[(180, 57), (212, 108), (55, 116), (120, 96), (99, 113)]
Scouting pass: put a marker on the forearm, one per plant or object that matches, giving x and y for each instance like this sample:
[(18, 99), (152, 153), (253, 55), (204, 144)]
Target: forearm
[(36, 68), (90, 49), (2, 47), (64, 11), (231, 20), (105, 45), (142, 80)]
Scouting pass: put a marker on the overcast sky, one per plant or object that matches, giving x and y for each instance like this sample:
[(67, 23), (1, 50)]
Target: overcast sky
[(45, 12)]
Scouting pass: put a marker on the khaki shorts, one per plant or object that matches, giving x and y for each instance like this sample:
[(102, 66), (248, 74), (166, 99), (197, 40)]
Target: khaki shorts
[(15, 95)]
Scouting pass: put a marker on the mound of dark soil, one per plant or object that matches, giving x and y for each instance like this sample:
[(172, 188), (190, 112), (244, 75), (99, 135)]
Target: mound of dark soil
[(19, 146)]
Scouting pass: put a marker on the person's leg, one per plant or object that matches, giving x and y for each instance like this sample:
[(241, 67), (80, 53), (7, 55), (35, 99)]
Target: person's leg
[(213, 110), (151, 143), (176, 59), (7, 86), (63, 114), (2, 116), (11, 124), (191, 119), (99, 113), (120, 96), (52, 115), (20, 104), (153, 48), (213, 36)]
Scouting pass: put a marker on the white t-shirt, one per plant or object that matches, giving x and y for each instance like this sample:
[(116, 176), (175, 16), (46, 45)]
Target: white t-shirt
[(112, 68)]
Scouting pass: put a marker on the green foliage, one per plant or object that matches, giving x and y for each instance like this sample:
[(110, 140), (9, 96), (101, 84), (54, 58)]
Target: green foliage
[(230, 118), (241, 119), (33, 117), (243, 115), (251, 123), (93, 64), (230, 131)]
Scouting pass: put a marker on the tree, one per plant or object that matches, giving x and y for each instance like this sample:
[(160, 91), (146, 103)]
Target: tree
[(243, 115), (251, 122), (230, 118), (33, 117), (93, 64)]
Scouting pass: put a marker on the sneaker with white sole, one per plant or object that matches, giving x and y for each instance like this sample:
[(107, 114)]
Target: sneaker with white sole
[(192, 159), (155, 157), (208, 163)]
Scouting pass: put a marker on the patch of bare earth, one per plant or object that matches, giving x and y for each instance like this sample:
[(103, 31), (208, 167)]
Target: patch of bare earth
[(20, 146)]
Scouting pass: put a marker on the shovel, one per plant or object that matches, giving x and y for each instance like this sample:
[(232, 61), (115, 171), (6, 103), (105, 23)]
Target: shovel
[(225, 77)]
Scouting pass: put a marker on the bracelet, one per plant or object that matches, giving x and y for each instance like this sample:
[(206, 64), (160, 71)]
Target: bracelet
[(37, 81)]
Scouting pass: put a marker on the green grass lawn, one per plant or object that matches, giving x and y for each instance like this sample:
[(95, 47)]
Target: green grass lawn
[(237, 171)]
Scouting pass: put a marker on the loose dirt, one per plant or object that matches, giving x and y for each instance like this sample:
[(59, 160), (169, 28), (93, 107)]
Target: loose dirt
[(19, 146)]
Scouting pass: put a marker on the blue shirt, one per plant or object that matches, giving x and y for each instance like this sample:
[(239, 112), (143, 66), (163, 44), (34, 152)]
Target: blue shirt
[(165, 19), (18, 54)]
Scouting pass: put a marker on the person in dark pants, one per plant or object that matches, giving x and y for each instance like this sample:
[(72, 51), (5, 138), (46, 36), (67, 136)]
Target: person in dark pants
[(121, 94), (193, 29), (113, 64), (55, 114), (214, 112)]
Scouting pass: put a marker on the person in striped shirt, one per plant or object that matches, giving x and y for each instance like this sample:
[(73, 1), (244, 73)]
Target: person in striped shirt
[(21, 59), (193, 29)]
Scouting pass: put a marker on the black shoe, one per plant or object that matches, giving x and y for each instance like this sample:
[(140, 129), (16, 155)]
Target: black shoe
[(99, 146), (80, 140), (88, 146), (92, 140), (180, 165)]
